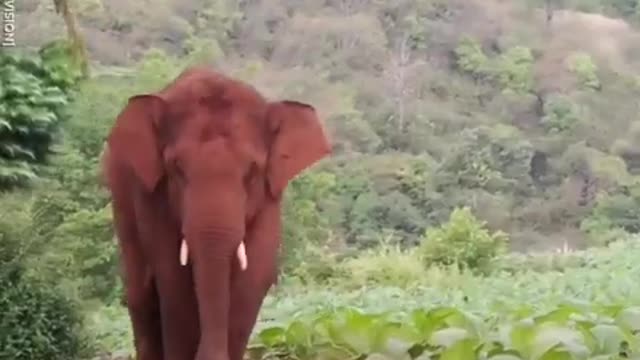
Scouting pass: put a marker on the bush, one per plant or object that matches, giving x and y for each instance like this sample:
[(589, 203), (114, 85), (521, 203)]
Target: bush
[(303, 223), (616, 211), (585, 70), (111, 331), (463, 241), (560, 114), (35, 321), (515, 70), (446, 332), (511, 71), (33, 95), (320, 266), (471, 59), (384, 266)]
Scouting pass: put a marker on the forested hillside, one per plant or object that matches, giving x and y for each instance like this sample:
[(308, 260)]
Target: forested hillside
[(524, 109), (461, 128)]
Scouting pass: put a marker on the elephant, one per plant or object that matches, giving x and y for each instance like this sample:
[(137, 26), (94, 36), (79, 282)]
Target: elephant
[(196, 173)]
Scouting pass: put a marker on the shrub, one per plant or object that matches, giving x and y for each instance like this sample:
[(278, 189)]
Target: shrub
[(384, 266), (111, 331), (512, 70), (36, 322), (515, 70), (616, 211), (303, 223), (316, 265), (446, 332), (494, 159), (586, 71), (560, 114), (463, 241), (33, 94), (471, 59)]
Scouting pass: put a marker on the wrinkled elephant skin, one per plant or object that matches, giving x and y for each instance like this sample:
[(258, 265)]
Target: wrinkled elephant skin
[(204, 160)]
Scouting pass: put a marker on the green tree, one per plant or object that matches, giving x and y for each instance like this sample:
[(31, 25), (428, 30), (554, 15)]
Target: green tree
[(582, 65), (36, 321), (463, 241), (77, 48), (33, 95), (304, 224)]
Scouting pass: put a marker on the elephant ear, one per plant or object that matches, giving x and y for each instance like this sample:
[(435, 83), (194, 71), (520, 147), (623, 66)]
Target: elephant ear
[(299, 141), (134, 138)]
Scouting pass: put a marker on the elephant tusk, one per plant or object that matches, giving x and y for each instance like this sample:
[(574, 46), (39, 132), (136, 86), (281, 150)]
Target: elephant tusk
[(241, 253), (242, 256), (184, 253)]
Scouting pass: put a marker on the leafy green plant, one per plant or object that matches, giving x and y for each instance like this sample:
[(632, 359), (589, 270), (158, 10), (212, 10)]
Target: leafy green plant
[(488, 158), (110, 330), (33, 95), (387, 265), (71, 222), (617, 211), (303, 223), (515, 69), (471, 58), (541, 281), (57, 65), (511, 71), (36, 322), (463, 241), (565, 332), (560, 114), (582, 65), (542, 288)]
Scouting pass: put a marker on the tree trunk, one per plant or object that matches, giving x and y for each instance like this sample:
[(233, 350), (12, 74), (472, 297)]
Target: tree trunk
[(78, 49)]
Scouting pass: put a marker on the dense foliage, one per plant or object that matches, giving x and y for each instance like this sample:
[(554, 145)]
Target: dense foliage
[(541, 281), (463, 241), (582, 307), (573, 290), (446, 333), (433, 105), (36, 322), (33, 95)]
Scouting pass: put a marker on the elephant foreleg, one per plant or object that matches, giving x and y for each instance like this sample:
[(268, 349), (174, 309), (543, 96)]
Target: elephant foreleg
[(178, 306), (144, 310), (140, 291), (250, 286)]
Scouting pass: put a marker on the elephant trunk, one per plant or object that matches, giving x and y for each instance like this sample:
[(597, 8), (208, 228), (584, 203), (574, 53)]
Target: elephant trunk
[(213, 255), (214, 228)]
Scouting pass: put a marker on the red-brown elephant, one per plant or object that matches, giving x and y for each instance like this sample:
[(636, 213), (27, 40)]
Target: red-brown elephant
[(205, 159)]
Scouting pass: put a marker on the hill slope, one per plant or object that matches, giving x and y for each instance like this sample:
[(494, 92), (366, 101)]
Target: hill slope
[(528, 115)]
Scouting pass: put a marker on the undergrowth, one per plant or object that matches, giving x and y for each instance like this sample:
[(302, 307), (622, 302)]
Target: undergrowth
[(390, 281)]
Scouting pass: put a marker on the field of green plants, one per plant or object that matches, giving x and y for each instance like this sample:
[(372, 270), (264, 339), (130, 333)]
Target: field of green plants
[(566, 306), (567, 332), (581, 305)]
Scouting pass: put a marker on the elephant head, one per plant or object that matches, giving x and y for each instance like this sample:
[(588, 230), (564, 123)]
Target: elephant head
[(220, 151)]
